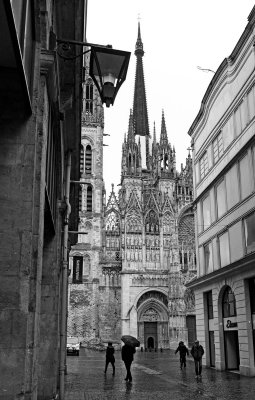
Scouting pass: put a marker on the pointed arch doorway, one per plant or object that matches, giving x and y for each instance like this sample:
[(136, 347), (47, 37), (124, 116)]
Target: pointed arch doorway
[(152, 320)]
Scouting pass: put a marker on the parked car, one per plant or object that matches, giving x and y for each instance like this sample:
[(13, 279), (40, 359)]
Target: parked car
[(73, 345)]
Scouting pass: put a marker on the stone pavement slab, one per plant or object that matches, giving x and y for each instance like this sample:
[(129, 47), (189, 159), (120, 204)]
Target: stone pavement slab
[(156, 376)]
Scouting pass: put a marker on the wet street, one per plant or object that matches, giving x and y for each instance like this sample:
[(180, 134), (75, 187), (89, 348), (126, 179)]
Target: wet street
[(156, 376)]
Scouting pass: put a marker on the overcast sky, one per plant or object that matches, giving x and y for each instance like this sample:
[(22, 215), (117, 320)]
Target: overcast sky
[(178, 36)]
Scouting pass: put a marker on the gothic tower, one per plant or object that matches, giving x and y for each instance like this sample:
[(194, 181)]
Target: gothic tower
[(84, 280)]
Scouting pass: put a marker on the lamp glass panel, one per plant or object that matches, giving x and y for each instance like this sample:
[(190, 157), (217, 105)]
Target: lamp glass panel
[(110, 64)]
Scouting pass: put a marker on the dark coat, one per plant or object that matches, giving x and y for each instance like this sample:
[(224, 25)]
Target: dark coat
[(182, 349), (197, 352), (127, 353), (109, 353)]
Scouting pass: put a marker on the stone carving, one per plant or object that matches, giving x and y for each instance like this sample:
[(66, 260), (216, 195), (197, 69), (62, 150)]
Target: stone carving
[(150, 315)]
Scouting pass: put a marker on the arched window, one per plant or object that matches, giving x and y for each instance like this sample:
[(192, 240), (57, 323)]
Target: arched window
[(88, 160), (89, 198), (228, 303), (89, 97)]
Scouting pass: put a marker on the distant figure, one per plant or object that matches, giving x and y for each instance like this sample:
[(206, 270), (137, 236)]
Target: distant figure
[(127, 354), (110, 358), (197, 352), (183, 351)]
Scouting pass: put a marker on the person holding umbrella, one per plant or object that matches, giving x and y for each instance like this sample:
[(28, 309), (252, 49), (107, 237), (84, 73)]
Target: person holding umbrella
[(127, 353)]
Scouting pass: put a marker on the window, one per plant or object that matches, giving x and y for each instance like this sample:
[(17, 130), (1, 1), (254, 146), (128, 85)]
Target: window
[(249, 229), (88, 160), (77, 269), (229, 303), (221, 199), (232, 187), (239, 117), (82, 160), (209, 299), (80, 198), (206, 211), (23, 16), (224, 249), (245, 181), (203, 164), (208, 258), (89, 97), (89, 198), (251, 103), (217, 147)]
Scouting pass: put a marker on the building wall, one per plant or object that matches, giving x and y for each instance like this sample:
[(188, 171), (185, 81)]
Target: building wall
[(224, 175)]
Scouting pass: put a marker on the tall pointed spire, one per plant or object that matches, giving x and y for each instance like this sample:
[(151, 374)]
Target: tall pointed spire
[(163, 134), (140, 114), (131, 136)]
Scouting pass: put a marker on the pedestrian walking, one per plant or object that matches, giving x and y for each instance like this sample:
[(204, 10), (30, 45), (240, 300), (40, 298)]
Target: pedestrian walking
[(183, 350), (127, 354), (197, 352), (110, 358)]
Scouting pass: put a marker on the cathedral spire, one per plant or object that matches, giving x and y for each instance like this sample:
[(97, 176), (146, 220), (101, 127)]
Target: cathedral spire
[(154, 134), (131, 136), (140, 114), (163, 134)]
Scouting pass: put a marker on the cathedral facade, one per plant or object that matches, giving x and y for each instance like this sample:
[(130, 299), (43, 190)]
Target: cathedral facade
[(136, 251)]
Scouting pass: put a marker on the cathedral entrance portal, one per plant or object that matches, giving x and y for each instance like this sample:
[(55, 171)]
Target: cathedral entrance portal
[(152, 320)]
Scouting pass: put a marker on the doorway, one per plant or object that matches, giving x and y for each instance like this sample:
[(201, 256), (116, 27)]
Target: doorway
[(212, 348), (150, 343), (232, 350), (150, 334), (191, 327)]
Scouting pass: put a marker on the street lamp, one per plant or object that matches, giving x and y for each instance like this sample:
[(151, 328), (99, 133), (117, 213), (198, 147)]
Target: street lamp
[(108, 66)]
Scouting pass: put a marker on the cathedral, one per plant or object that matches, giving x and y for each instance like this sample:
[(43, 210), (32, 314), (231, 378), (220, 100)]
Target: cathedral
[(135, 251)]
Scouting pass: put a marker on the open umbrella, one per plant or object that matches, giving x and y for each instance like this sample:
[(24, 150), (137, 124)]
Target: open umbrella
[(127, 339)]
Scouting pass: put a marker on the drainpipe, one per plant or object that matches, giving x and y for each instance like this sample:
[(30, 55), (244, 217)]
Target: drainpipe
[(64, 290)]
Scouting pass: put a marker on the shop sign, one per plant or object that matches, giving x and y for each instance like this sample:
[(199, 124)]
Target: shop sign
[(231, 324)]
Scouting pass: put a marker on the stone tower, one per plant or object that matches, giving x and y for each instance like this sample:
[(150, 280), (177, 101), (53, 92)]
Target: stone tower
[(83, 316)]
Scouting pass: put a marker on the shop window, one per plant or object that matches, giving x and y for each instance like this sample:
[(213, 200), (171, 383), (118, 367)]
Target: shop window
[(229, 303), (249, 229), (77, 269)]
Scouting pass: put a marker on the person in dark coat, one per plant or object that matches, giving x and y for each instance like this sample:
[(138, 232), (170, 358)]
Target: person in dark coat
[(110, 358), (127, 354), (183, 351), (197, 352)]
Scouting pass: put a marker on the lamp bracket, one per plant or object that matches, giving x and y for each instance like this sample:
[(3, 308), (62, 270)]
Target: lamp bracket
[(65, 45)]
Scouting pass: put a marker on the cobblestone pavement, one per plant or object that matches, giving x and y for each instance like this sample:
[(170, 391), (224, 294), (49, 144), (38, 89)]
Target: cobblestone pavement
[(156, 376)]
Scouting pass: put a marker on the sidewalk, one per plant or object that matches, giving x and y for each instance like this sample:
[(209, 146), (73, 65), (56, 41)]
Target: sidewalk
[(156, 376)]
